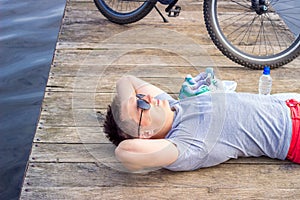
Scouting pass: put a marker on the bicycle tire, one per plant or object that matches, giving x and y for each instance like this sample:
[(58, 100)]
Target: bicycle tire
[(218, 26), (132, 11)]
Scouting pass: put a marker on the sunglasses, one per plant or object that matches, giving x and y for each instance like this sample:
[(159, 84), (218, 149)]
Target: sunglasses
[(143, 105)]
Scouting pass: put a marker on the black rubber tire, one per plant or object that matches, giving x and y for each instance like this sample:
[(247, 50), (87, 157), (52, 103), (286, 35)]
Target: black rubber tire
[(131, 16), (234, 53)]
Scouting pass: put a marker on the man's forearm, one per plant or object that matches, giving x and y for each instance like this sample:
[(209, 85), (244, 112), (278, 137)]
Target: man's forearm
[(124, 88), (127, 86), (137, 154)]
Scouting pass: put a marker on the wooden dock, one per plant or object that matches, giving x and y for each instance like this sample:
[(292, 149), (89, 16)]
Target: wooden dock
[(71, 159)]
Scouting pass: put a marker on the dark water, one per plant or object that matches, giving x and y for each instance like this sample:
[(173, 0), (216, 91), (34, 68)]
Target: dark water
[(28, 34)]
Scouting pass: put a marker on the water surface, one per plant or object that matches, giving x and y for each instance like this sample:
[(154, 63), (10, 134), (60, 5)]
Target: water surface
[(28, 34)]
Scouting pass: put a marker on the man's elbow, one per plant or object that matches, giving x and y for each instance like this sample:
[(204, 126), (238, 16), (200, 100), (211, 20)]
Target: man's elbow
[(125, 78), (122, 156)]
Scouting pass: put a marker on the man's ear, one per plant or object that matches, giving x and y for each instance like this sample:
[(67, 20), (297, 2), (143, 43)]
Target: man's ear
[(147, 134)]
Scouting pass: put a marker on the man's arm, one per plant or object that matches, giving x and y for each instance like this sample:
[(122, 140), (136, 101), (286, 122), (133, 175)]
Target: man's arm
[(128, 86), (137, 154)]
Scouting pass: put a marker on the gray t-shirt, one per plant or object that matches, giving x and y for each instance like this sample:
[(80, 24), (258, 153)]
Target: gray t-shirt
[(212, 128)]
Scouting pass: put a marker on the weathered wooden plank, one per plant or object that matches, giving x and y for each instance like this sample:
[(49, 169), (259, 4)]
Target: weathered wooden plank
[(96, 33), (61, 102), (166, 55), (284, 79), (154, 193), (95, 84), (260, 177), (82, 9), (97, 148), (76, 153), (63, 134), (71, 118), (142, 71), (191, 14), (130, 57)]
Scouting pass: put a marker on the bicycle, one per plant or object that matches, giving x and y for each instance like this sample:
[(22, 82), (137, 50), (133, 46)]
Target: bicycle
[(252, 33)]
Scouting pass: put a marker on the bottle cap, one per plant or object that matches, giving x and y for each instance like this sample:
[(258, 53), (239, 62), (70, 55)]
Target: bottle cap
[(266, 70), (210, 71)]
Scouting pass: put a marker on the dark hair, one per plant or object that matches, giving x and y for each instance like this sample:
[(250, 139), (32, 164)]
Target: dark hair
[(112, 130)]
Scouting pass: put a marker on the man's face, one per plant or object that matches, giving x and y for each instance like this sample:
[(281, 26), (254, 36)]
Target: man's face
[(153, 119)]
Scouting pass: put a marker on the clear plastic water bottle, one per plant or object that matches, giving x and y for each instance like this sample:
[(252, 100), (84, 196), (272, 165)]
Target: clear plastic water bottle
[(212, 81), (265, 82)]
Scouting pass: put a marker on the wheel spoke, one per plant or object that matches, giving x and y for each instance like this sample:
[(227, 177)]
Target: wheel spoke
[(254, 37), (243, 5), (240, 26)]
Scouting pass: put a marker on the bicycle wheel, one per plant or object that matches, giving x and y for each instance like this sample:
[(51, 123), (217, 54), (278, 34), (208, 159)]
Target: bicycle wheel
[(254, 36), (125, 11)]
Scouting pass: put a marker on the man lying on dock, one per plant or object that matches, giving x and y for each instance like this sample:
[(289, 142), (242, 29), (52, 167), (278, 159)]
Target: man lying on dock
[(152, 129)]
